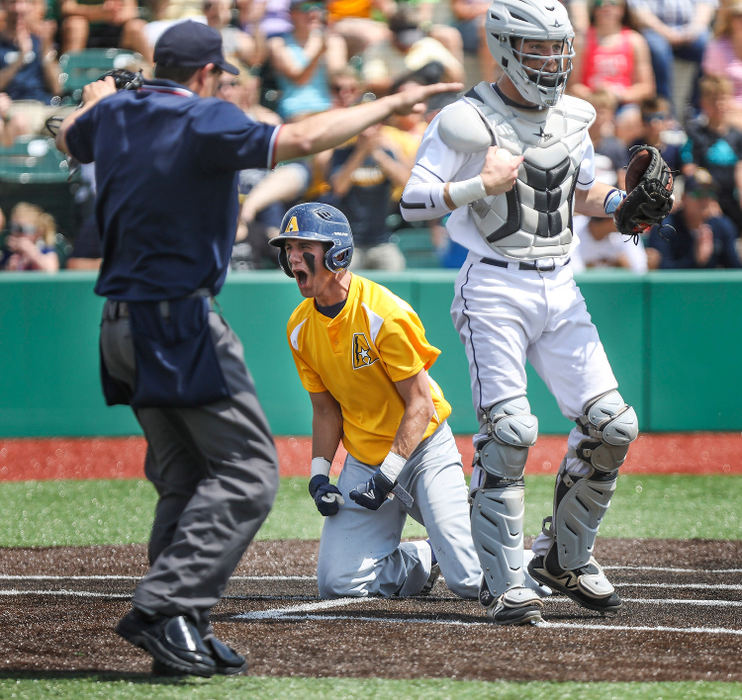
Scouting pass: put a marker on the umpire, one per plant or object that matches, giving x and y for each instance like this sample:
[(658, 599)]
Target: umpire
[(166, 174)]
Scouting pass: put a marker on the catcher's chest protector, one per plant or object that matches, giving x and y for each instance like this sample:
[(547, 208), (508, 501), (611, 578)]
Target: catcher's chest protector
[(534, 219)]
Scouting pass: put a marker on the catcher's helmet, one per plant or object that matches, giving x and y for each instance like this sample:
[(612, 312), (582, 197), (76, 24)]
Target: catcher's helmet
[(316, 221), (508, 23)]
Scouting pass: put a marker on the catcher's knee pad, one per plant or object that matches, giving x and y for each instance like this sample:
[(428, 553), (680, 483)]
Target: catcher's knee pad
[(580, 503), (497, 532), (512, 429), (610, 426)]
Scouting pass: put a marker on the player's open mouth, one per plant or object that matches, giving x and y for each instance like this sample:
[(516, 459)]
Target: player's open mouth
[(301, 277)]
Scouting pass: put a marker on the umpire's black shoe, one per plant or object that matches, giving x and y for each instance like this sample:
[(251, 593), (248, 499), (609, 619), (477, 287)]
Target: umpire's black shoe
[(588, 586), (228, 661), (174, 642)]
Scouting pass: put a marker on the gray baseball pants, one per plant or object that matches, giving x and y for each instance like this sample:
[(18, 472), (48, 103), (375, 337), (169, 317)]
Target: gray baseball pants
[(215, 469)]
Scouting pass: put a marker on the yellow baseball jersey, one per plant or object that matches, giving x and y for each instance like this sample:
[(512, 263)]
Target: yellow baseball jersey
[(377, 339)]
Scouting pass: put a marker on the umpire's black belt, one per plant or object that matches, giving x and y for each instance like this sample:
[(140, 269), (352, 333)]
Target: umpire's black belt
[(120, 309), (542, 265)]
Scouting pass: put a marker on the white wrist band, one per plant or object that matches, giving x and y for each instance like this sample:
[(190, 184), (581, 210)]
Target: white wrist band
[(466, 191), (320, 466), (392, 466)]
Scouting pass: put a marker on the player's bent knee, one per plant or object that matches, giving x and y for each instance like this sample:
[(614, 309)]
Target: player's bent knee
[(339, 587), (610, 426), (512, 429)]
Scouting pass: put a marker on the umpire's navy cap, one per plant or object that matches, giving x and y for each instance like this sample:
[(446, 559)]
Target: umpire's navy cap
[(191, 44)]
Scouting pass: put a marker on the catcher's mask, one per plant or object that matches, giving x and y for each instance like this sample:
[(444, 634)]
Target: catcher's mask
[(315, 221), (509, 24)]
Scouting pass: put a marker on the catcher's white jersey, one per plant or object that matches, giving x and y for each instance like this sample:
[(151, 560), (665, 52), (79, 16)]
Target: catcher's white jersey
[(534, 219)]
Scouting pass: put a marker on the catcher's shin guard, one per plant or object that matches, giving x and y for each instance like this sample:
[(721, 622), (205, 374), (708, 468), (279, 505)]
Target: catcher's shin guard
[(497, 505), (497, 531), (569, 566), (580, 503)]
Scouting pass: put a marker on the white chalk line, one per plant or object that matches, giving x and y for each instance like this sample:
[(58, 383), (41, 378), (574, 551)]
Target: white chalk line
[(305, 607), (338, 602), (672, 569), (62, 592), (116, 577), (628, 584), (544, 624)]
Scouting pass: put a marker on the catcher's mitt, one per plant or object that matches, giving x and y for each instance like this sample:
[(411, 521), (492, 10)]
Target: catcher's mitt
[(125, 79), (649, 198)]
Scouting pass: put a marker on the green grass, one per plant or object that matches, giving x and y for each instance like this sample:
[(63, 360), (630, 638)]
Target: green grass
[(54, 513), (74, 513), (348, 688)]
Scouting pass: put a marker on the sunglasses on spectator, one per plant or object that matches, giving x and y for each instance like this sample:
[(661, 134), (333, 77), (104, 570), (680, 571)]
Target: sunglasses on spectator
[(606, 3), (310, 6), (656, 116), (228, 83), (23, 229), (702, 194)]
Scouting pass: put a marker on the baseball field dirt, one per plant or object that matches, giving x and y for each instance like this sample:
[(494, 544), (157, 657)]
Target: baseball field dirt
[(681, 619)]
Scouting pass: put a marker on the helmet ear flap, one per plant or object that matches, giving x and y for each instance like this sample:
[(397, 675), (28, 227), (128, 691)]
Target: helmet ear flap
[(336, 260)]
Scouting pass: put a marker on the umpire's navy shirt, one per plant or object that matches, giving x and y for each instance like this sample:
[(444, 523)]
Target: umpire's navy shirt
[(166, 164)]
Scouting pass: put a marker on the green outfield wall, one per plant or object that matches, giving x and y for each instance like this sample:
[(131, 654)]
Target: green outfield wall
[(674, 339)]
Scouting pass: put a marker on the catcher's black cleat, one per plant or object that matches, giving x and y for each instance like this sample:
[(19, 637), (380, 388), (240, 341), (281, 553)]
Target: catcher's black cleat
[(517, 606), (174, 642), (587, 586)]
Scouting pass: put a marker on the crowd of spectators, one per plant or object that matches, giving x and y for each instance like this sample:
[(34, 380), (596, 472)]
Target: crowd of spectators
[(305, 56)]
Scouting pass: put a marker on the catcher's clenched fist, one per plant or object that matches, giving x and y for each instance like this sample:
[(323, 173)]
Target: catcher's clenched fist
[(649, 193)]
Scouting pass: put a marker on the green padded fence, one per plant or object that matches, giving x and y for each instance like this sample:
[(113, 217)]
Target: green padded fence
[(674, 340)]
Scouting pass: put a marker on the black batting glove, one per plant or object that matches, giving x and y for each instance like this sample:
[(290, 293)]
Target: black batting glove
[(327, 497), (374, 492)]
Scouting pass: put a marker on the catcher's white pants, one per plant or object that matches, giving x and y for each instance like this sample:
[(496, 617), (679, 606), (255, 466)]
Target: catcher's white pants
[(506, 316), (360, 552)]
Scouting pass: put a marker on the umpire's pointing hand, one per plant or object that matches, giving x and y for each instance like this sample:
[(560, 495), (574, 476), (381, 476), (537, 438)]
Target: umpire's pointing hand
[(412, 98)]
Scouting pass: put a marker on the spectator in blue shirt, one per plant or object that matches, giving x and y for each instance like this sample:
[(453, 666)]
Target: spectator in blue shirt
[(167, 165), (704, 237), (673, 28), (29, 71)]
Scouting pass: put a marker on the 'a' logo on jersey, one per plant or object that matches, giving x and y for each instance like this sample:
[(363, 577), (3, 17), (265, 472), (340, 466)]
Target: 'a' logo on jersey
[(292, 225), (362, 355)]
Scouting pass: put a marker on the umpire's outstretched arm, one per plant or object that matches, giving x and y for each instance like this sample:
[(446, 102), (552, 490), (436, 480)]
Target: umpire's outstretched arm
[(302, 138), (334, 127)]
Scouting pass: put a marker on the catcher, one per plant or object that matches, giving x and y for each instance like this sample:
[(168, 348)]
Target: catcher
[(510, 162)]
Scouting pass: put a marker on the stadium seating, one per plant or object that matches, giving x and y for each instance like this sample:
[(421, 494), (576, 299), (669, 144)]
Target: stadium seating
[(79, 68), (417, 246), (33, 170)]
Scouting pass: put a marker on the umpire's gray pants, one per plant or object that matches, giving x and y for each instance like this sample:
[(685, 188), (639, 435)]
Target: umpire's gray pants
[(215, 469)]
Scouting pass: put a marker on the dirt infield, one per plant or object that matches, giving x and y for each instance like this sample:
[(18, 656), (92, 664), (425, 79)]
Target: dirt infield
[(681, 620)]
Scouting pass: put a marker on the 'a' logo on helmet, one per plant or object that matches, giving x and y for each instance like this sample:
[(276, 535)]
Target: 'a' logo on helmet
[(292, 225), (362, 354)]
